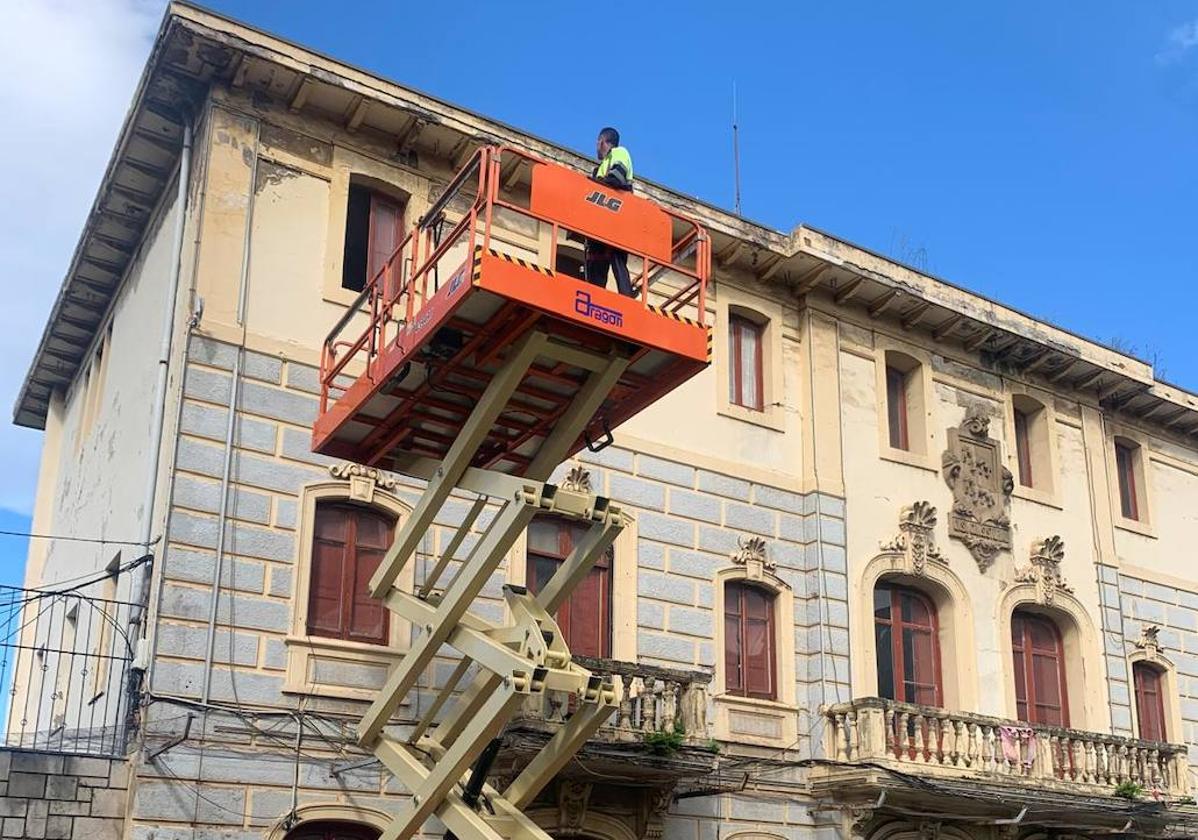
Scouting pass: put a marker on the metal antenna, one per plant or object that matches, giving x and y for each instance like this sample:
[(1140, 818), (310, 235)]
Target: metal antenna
[(735, 149)]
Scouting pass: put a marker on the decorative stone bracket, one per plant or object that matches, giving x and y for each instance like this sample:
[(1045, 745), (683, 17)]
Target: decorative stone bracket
[(916, 539), (1044, 570), (362, 480), (1148, 641), (753, 556)]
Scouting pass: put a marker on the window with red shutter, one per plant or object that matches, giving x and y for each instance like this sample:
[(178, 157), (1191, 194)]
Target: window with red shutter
[(585, 617), (1125, 467), (896, 408), (1040, 687), (749, 659), (1023, 447), (373, 230), (348, 543), (906, 635), (1150, 701), (746, 384)]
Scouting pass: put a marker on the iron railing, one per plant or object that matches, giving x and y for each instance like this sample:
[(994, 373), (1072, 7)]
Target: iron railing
[(64, 668)]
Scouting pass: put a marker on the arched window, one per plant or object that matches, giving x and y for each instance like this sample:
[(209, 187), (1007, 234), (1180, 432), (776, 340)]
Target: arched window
[(906, 635), (347, 544), (749, 658), (1040, 687), (585, 617), (1150, 701), (333, 831)]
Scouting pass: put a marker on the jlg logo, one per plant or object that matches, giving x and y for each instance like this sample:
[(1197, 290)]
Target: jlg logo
[(607, 202)]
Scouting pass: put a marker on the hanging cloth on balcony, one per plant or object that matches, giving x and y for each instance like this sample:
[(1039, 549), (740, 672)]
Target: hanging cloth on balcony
[(1015, 737)]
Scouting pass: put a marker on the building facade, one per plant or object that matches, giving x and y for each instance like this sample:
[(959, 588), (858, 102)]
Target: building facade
[(903, 562)]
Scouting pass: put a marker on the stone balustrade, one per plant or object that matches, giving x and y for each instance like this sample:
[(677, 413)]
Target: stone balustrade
[(651, 699), (922, 739)]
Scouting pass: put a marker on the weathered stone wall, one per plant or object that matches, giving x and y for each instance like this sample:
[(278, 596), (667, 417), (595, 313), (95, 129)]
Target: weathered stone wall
[(62, 797)]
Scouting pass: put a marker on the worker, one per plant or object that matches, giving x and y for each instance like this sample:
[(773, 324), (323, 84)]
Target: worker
[(615, 171)]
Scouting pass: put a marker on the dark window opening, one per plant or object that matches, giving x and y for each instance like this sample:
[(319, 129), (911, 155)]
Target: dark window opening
[(373, 230)]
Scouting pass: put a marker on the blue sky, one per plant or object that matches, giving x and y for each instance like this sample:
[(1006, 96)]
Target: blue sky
[(1039, 153), (1042, 154)]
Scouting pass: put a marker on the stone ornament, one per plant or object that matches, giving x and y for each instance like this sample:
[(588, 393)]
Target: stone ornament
[(577, 480), (573, 796), (916, 539), (753, 556), (981, 487), (1148, 641), (362, 480), (1044, 570)]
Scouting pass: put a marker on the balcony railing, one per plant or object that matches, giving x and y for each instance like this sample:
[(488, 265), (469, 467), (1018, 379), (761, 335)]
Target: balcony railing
[(652, 700), (921, 739)]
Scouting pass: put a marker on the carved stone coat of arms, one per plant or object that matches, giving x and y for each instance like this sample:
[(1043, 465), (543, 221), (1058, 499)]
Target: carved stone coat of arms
[(981, 486)]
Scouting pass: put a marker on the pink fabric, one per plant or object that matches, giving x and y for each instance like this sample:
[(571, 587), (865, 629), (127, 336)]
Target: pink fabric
[(1011, 738)]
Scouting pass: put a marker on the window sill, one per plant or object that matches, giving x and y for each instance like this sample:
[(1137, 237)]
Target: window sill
[(908, 458), (1135, 526), (771, 418), (1049, 498)]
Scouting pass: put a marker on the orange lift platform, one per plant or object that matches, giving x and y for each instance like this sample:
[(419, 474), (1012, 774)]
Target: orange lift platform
[(478, 359)]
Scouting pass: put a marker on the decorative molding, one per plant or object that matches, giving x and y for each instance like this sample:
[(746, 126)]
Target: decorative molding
[(916, 539), (577, 479), (1044, 570), (753, 555), (1148, 641), (972, 467), (362, 480), (573, 796)]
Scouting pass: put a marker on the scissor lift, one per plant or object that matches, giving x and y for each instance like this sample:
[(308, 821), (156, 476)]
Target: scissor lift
[(480, 365)]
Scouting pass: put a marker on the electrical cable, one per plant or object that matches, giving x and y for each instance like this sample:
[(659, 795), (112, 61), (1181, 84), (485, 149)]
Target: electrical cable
[(67, 538)]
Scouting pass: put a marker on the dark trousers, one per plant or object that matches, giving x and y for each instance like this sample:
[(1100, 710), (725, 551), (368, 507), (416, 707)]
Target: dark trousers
[(599, 258)]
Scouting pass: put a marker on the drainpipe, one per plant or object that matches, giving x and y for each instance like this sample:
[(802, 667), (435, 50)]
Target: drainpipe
[(142, 574)]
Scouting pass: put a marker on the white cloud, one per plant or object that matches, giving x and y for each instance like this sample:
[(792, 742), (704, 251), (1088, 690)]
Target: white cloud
[(1180, 41), (68, 69)]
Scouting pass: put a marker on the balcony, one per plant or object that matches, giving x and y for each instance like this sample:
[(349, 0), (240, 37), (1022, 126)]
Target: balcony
[(886, 756), (658, 732)]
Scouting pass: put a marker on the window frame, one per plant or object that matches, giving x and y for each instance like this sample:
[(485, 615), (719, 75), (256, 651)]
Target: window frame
[(898, 421), (566, 544), (1161, 679), (768, 315), (898, 663), (743, 587), (350, 560), (305, 653), (919, 402), (1125, 477), (1022, 660), (1023, 448), (739, 325)]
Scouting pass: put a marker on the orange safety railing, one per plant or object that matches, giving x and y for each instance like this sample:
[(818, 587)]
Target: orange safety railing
[(394, 295)]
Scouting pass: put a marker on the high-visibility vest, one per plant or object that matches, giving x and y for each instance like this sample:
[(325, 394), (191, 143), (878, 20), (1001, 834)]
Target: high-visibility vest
[(618, 154)]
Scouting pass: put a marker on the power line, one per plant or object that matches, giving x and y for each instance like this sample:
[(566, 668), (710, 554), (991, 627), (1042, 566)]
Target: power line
[(66, 538)]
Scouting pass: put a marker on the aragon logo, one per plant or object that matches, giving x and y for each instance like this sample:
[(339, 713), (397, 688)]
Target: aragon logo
[(605, 201)]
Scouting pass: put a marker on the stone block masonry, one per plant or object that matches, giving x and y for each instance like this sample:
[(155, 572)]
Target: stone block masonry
[(63, 797)]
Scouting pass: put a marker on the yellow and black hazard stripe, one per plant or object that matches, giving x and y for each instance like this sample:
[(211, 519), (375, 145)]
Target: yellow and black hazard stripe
[(667, 313), (709, 344), (522, 263), (477, 270)]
